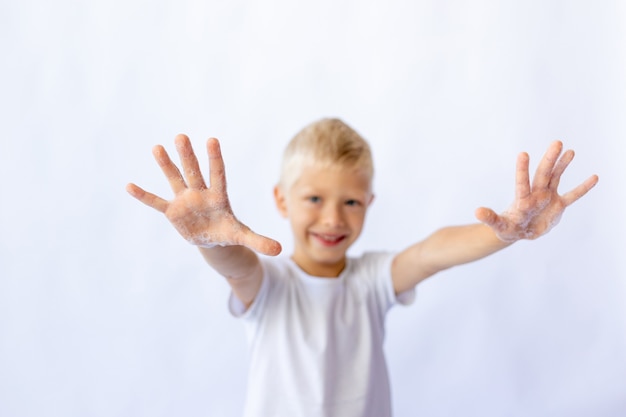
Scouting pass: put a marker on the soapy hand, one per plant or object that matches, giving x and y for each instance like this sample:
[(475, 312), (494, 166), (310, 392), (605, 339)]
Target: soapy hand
[(201, 214), (538, 207)]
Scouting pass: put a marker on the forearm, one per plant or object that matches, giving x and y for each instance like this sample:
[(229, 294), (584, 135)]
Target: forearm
[(241, 268), (458, 245), (232, 262), (443, 249)]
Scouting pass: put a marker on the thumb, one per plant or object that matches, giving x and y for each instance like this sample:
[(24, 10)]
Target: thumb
[(487, 216), (261, 244)]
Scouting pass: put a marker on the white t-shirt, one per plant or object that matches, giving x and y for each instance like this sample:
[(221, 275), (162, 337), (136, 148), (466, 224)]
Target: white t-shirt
[(316, 344)]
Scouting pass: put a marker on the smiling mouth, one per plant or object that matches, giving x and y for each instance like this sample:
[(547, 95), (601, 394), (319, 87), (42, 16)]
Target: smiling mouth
[(328, 240)]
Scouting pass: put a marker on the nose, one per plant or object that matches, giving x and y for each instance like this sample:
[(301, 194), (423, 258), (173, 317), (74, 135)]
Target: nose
[(333, 216)]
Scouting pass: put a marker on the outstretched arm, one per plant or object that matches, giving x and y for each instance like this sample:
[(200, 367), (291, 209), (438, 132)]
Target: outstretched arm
[(537, 208), (203, 216)]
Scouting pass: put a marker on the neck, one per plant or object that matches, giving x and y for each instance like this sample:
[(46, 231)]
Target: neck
[(321, 270)]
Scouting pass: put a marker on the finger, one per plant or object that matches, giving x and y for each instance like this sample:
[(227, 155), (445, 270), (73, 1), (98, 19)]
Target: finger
[(189, 162), (147, 198), (217, 173), (560, 167), (261, 244), (546, 165), (177, 183), (522, 178), (581, 190)]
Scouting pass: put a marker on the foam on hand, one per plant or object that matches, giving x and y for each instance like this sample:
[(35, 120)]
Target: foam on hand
[(528, 223)]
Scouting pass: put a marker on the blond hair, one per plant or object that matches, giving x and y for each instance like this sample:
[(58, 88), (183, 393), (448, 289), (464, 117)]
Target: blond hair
[(326, 142)]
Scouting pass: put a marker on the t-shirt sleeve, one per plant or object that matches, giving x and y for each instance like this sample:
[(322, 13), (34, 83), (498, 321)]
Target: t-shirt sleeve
[(238, 309), (380, 264)]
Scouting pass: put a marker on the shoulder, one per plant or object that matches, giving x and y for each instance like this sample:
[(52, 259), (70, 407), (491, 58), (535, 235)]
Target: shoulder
[(373, 269), (277, 268), (372, 263), (276, 272)]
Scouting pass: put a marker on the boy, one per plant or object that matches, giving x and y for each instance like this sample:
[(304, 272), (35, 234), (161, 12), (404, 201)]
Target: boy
[(315, 321)]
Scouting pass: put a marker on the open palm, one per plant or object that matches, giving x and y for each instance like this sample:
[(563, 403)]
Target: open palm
[(201, 213), (538, 207)]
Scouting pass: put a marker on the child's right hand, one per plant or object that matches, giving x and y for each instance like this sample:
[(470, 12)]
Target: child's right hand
[(201, 214)]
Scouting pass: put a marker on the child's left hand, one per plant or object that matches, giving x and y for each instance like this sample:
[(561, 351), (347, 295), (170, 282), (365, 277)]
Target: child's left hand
[(537, 208)]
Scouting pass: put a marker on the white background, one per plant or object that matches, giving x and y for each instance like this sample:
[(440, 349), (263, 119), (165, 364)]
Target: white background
[(105, 311)]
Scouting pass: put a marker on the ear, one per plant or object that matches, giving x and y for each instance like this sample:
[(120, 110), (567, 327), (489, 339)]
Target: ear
[(281, 200), (369, 203)]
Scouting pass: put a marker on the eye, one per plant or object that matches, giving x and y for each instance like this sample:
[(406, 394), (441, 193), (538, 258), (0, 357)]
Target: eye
[(353, 203), (314, 199)]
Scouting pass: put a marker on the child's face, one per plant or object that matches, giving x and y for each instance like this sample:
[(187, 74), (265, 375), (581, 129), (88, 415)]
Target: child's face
[(326, 208)]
